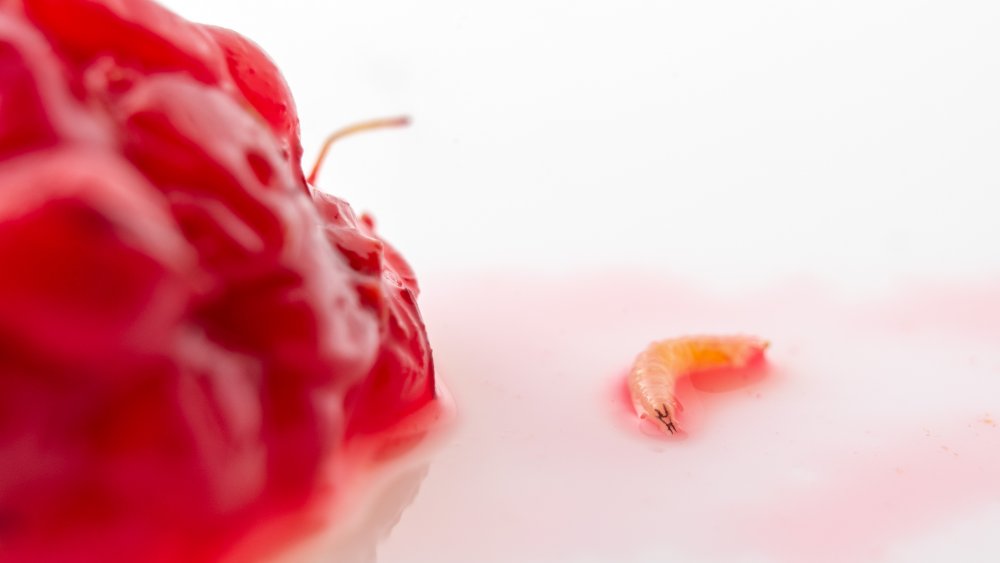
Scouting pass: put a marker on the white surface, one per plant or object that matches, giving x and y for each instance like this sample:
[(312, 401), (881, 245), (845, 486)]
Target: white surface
[(875, 432), (728, 143)]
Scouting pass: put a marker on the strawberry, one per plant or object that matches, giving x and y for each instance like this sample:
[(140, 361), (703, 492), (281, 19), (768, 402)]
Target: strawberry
[(403, 372), (190, 332)]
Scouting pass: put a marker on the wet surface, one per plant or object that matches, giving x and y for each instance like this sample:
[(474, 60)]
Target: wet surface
[(869, 433)]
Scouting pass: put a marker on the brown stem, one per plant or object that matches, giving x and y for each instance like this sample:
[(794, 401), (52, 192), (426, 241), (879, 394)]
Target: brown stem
[(383, 123)]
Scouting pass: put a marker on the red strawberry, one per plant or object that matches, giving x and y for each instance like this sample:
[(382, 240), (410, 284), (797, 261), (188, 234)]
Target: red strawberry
[(189, 332), (265, 90), (403, 374)]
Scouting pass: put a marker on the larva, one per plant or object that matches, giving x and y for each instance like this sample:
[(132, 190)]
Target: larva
[(656, 370)]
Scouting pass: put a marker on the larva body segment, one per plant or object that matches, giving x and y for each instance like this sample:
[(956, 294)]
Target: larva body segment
[(654, 375)]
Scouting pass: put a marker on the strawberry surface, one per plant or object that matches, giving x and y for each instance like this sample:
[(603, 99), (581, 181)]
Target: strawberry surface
[(189, 332)]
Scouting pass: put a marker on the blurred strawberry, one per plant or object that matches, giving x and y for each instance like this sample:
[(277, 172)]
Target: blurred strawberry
[(189, 332)]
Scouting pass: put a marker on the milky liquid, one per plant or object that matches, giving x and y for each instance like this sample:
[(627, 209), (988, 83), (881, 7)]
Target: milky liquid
[(870, 433)]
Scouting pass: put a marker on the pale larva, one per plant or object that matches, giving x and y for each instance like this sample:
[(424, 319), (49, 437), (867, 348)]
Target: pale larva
[(656, 370)]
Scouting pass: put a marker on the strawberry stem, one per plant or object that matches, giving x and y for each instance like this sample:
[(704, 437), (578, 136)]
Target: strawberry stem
[(384, 123)]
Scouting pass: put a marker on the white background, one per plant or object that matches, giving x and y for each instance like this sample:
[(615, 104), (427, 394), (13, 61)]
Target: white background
[(729, 141), (730, 144)]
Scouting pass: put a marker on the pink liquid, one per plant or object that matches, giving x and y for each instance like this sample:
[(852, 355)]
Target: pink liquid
[(870, 428)]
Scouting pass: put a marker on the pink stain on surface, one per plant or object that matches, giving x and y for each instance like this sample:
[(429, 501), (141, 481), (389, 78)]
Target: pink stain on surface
[(868, 428), (869, 499)]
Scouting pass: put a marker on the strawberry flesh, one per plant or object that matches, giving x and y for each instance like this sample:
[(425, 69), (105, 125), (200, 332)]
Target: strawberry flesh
[(189, 333)]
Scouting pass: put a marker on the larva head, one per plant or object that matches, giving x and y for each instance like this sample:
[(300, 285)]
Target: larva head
[(665, 415)]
